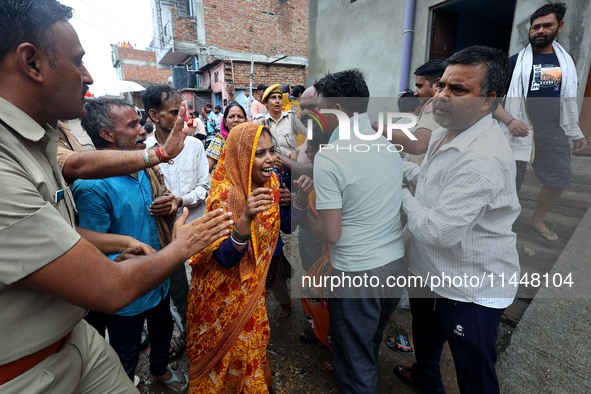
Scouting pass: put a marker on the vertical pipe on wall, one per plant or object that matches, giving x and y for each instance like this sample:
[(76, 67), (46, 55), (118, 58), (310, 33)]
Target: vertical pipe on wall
[(407, 37)]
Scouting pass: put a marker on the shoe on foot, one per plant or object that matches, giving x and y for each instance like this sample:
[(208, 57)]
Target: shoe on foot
[(309, 337), (400, 343), (547, 235), (404, 373), (174, 383)]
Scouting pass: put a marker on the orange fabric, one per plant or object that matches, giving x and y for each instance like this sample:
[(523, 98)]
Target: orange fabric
[(18, 367), (317, 308), (227, 326)]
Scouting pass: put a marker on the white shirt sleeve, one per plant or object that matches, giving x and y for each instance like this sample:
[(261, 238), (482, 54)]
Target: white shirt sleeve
[(456, 211)]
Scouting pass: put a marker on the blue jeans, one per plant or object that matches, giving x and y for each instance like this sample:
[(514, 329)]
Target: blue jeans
[(357, 325), (125, 336)]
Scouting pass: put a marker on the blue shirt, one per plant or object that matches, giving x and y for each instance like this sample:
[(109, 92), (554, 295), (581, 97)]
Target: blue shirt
[(211, 123), (120, 205)]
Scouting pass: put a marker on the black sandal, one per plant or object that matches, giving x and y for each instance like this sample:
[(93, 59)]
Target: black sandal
[(177, 346), (402, 372), (309, 337)]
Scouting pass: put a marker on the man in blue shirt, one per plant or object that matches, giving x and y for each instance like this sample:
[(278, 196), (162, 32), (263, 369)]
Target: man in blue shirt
[(132, 205)]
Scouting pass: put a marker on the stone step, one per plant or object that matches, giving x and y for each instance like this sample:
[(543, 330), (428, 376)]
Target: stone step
[(532, 255), (571, 203), (531, 239), (580, 164), (577, 184), (562, 224), (513, 313)]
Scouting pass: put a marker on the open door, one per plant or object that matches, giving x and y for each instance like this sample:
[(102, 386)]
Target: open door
[(459, 24), (443, 34)]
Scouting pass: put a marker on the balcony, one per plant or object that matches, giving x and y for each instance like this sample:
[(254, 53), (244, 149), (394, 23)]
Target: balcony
[(177, 40)]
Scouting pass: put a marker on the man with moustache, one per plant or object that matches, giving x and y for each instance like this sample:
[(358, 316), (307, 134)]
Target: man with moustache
[(426, 77), (128, 205), (540, 114), (46, 268), (187, 178), (460, 220)]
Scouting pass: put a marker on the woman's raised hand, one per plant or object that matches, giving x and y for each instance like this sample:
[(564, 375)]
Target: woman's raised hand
[(259, 200)]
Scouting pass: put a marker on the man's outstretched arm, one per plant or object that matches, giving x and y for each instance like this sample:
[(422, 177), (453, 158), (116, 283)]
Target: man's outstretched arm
[(107, 163), (85, 277)]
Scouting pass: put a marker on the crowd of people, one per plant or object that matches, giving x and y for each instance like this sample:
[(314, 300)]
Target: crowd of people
[(113, 230)]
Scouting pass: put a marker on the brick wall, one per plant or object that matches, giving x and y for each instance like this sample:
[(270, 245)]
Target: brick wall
[(145, 75), (136, 54), (184, 28), (268, 27), (268, 75)]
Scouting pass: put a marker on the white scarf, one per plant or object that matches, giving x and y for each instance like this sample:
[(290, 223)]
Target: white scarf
[(515, 104)]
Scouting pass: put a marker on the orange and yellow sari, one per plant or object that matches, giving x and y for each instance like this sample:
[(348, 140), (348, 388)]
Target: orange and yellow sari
[(227, 326)]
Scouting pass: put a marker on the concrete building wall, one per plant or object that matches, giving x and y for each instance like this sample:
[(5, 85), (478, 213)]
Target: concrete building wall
[(368, 35)]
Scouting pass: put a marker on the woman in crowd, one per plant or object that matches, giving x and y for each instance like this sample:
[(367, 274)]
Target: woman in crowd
[(228, 330), (233, 116)]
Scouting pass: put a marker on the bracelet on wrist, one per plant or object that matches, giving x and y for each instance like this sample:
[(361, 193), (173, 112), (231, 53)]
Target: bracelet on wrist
[(301, 206), (160, 154), (239, 243), (147, 158), (509, 122), (238, 236)]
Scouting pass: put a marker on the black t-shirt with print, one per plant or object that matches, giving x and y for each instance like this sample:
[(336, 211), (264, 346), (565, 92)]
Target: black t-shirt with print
[(543, 94)]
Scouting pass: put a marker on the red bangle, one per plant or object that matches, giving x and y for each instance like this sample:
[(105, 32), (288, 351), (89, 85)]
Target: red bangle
[(160, 155)]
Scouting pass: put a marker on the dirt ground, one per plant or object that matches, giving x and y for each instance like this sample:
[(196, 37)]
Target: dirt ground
[(300, 368)]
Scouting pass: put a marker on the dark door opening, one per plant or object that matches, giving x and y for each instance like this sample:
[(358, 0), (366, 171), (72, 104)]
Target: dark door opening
[(462, 23)]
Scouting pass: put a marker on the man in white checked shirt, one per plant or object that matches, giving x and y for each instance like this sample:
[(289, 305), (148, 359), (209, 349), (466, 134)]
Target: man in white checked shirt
[(460, 220)]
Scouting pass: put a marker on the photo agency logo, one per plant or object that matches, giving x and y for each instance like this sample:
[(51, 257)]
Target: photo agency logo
[(402, 121)]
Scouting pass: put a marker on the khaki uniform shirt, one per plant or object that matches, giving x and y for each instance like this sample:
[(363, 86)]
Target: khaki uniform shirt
[(66, 148), (426, 121), (35, 229), (285, 130)]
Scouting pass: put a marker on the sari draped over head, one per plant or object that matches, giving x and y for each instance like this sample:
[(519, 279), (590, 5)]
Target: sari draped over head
[(227, 326), (223, 131)]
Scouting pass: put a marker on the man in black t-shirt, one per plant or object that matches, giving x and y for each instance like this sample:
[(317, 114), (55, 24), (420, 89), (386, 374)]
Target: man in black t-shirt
[(540, 111)]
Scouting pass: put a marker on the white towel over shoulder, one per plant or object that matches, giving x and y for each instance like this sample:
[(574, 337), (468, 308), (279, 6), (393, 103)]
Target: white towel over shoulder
[(515, 104)]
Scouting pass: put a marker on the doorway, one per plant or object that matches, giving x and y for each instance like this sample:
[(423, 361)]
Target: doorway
[(461, 23)]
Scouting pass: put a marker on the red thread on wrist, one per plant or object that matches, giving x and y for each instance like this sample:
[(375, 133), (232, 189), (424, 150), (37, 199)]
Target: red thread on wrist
[(160, 154)]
